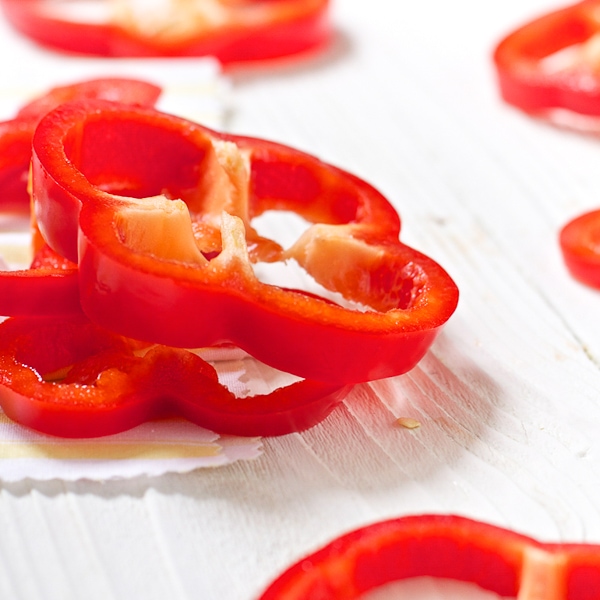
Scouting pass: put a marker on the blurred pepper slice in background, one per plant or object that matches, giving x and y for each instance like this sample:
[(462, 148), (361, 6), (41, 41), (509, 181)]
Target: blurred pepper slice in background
[(233, 31), (552, 63)]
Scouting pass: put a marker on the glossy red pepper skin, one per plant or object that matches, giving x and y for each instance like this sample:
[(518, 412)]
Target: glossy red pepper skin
[(444, 546), (67, 377), (531, 84), (85, 151), (256, 30), (580, 246)]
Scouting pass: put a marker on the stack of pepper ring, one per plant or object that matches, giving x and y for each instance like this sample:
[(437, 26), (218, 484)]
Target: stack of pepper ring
[(232, 31), (154, 216)]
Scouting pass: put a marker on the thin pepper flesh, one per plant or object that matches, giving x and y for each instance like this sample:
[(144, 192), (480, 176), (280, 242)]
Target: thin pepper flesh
[(158, 211), (442, 546)]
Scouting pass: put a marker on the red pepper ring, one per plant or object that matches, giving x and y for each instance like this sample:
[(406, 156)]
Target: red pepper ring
[(532, 79), (443, 546), (233, 31), (65, 376), (177, 272), (580, 246)]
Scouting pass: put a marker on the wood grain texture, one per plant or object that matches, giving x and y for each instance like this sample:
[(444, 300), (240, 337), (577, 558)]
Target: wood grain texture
[(508, 400)]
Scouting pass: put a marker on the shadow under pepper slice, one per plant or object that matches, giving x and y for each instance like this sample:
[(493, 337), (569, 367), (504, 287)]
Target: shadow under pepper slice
[(233, 31), (444, 546), (66, 376), (169, 259)]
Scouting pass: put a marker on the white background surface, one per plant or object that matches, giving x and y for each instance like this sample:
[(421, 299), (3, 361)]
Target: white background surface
[(508, 398)]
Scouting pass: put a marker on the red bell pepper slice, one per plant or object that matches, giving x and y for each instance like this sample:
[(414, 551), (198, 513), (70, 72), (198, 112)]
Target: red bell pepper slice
[(552, 62), (65, 376), (580, 246), (445, 546), (233, 31), (168, 259)]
